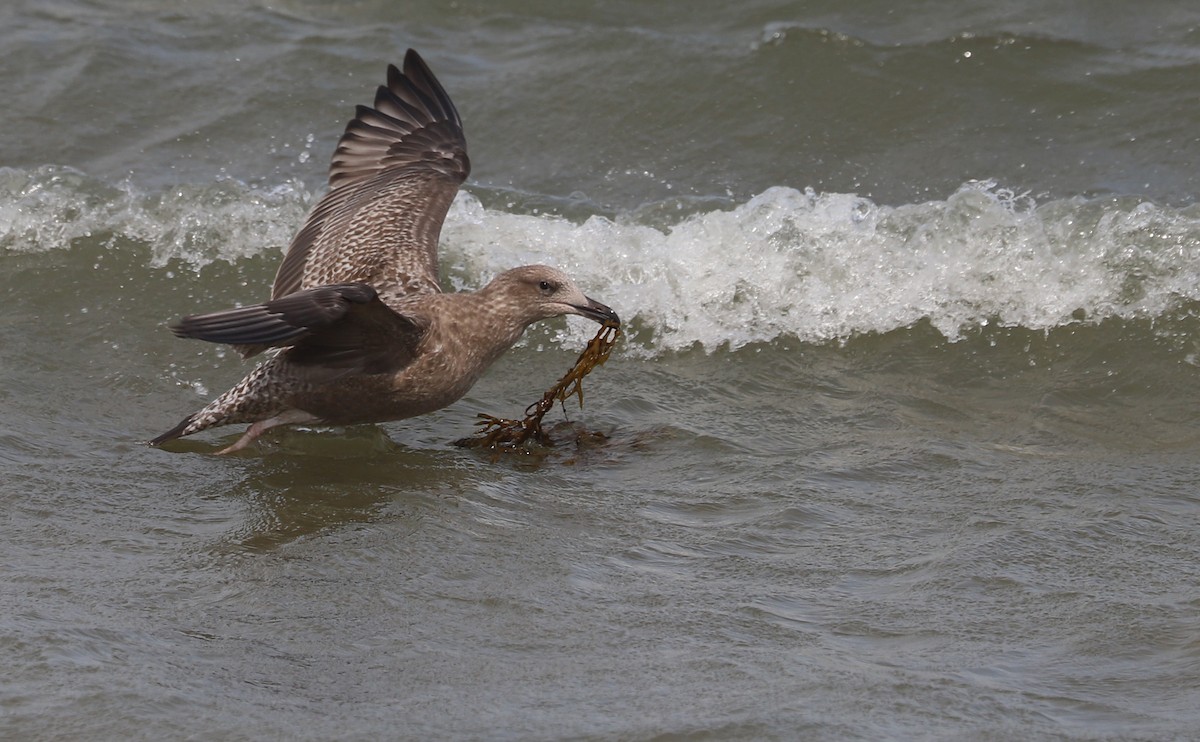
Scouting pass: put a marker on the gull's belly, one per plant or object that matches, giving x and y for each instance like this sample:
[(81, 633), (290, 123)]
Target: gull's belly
[(427, 385)]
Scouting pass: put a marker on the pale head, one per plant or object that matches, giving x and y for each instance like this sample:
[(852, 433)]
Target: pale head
[(537, 292)]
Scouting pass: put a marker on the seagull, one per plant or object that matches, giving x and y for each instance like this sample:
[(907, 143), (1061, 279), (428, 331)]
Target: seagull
[(357, 328)]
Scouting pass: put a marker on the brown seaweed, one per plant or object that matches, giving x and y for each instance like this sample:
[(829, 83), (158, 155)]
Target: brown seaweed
[(500, 434)]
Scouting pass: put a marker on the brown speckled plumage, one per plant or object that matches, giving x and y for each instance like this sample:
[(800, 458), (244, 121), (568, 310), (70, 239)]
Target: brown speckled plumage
[(365, 333)]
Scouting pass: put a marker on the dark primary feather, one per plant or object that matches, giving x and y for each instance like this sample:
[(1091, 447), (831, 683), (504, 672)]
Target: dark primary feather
[(371, 339), (392, 179), (413, 121), (277, 322), (344, 326)]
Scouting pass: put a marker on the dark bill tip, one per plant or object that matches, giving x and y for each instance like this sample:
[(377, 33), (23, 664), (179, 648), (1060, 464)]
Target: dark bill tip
[(594, 310)]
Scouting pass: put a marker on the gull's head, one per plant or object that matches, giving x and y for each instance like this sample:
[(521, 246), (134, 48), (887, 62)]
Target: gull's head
[(537, 292)]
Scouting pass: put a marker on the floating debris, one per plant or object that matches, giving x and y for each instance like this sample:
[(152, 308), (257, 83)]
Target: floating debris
[(502, 434)]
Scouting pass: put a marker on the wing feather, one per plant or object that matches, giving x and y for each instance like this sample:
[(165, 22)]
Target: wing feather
[(343, 326), (392, 179)]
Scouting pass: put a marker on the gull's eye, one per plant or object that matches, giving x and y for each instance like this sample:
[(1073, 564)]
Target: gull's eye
[(545, 286)]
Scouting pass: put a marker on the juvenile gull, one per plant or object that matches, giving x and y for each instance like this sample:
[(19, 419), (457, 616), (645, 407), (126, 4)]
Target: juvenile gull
[(365, 332)]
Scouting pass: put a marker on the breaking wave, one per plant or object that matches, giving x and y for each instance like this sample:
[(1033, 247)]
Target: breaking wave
[(817, 267)]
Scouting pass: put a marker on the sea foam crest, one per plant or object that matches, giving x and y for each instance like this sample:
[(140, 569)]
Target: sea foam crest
[(786, 263), (51, 207), (822, 267)]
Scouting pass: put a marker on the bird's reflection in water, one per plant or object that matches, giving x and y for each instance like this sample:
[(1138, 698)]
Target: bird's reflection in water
[(306, 482)]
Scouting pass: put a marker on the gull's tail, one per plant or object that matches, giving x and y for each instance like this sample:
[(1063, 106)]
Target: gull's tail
[(178, 431)]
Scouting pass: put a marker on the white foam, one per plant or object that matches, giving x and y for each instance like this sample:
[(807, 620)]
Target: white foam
[(786, 263), (51, 207), (821, 267)]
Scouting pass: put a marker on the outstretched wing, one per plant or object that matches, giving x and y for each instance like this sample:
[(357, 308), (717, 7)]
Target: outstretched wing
[(343, 326), (393, 176)]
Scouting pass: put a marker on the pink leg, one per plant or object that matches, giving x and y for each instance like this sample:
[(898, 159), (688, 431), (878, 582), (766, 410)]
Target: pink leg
[(287, 417)]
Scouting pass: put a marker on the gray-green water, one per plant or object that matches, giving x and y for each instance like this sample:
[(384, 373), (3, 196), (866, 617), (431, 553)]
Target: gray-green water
[(903, 435)]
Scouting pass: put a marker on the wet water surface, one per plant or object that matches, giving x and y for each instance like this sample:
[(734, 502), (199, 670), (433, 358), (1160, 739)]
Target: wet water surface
[(900, 441)]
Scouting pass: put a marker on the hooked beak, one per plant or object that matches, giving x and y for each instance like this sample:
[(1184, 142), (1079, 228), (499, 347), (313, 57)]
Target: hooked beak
[(598, 312)]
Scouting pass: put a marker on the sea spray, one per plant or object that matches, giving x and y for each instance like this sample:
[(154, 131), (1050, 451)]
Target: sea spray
[(787, 263), (827, 267)]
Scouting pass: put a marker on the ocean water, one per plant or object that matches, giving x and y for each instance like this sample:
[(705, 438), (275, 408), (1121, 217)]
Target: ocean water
[(901, 438)]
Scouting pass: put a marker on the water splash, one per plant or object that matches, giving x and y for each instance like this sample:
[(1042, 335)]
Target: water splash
[(822, 267), (51, 207), (784, 264)]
